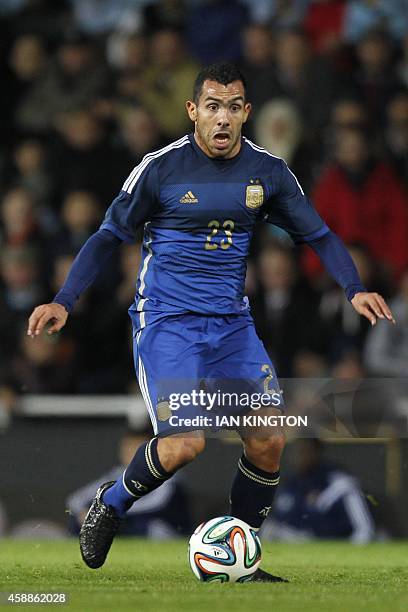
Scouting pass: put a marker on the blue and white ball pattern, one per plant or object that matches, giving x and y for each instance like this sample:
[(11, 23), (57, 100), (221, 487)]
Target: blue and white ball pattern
[(224, 549)]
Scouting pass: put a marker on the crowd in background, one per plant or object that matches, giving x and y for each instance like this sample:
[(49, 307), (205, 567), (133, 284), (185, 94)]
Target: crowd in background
[(90, 86)]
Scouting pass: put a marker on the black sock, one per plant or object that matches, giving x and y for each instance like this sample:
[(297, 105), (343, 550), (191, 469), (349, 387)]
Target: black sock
[(145, 472), (252, 493)]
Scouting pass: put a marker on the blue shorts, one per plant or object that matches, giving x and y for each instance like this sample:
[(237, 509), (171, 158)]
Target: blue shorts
[(192, 366)]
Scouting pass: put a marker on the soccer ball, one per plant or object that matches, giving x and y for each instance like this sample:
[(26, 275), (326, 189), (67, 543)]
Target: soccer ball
[(224, 549)]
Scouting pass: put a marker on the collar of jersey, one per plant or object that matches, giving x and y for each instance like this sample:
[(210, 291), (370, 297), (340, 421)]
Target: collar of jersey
[(229, 161)]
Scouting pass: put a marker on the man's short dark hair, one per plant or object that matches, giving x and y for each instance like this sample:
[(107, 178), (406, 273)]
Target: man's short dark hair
[(221, 72)]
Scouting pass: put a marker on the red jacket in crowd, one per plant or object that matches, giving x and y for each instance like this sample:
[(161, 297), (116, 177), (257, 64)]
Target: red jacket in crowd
[(374, 214)]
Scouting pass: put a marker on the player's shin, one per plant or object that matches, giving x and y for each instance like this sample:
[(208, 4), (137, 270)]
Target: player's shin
[(252, 493), (143, 474)]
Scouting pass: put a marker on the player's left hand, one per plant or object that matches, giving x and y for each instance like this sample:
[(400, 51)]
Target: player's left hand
[(372, 306)]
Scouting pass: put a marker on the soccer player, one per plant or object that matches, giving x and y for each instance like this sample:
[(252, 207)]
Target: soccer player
[(198, 199)]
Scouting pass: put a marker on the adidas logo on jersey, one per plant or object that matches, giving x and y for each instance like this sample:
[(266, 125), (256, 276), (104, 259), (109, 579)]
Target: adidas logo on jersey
[(189, 198)]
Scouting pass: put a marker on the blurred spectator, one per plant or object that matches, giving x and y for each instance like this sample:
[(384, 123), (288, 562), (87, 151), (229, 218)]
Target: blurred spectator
[(23, 66), (374, 78), (45, 17), (307, 81), (20, 292), (28, 57), (164, 14), (287, 14), (19, 222), (323, 24), (362, 16), (83, 158), (348, 367), (362, 200), (279, 129), (127, 55), (386, 349), (162, 514), (97, 17), (72, 81), (80, 215), (284, 302), (19, 273), (396, 134), (309, 364), (346, 112), (62, 264), (139, 135), (320, 500), (46, 366), (28, 169), (257, 46), (214, 30), (168, 83), (257, 63)]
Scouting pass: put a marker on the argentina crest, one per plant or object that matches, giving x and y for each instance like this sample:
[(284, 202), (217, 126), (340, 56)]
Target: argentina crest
[(254, 194)]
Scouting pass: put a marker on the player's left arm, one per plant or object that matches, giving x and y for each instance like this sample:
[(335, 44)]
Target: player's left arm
[(290, 209), (338, 262)]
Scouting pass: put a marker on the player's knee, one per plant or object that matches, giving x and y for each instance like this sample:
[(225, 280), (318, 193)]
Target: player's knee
[(265, 452), (191, 448), (179, 450)]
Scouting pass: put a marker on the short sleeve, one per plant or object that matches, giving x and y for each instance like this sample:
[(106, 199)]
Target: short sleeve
[(291, 210), (136, 202)]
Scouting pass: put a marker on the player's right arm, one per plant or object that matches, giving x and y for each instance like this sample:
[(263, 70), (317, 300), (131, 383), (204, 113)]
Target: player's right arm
[(85, 268), (133, 206)]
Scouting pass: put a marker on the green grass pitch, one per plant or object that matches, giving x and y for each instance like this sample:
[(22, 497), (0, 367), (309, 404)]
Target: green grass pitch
[(154, 576)]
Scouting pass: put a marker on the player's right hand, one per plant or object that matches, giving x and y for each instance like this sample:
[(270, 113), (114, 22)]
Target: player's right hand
[(42, 315)]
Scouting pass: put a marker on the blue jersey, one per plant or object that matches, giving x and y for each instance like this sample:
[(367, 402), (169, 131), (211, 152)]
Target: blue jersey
[(199, 214)]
